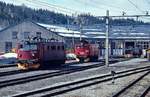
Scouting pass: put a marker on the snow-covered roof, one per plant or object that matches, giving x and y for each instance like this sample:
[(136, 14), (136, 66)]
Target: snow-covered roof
[(116, 32), (130, 37), (8, 55), (58, 29), (1, 28), (72, 35), (95, 33)]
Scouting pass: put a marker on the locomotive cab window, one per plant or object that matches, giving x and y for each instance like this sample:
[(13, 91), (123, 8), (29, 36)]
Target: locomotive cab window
[(78, 46), (29, 47)]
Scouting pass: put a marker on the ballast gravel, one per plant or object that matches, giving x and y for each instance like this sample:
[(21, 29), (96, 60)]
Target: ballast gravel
[(106, 89), (11, 90)]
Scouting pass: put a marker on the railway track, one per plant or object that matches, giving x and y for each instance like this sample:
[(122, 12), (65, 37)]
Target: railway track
[(127, 90), (46, 75), (12, 72), (70, 86), (6, 73), (145, 92), (8, 65)]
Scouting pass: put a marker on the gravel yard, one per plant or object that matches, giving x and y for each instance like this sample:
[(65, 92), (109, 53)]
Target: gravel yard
[(106, 89), (10, 90), (26, 74), (148, 95), (37, 72), (8, 69)]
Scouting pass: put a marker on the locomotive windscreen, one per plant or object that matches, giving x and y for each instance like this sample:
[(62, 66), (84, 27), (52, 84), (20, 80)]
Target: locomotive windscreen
[(28, 46), (84, 41)]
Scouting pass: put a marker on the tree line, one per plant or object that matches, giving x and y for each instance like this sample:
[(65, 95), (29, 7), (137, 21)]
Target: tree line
[(12, 14)]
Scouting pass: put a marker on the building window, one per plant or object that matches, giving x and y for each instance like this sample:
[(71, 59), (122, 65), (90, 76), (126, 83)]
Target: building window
[(26, 35), (8, 46), (38, 34), (14, 35)]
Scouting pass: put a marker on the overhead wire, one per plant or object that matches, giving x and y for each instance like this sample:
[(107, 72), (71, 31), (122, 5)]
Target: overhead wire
[(107, 5), (72, 11), (136, 6), (49, 6), (148, 2), (113, 6), (29, 3), (59, 6), (94, 4), (56, 7), (144, 12)]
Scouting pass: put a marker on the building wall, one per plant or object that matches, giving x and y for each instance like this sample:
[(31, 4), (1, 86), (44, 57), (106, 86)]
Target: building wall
[(6, 35), (2, 46)]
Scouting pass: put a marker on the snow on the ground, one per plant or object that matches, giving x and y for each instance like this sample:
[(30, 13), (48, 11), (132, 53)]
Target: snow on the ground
[(131, 62), (8, 55), (71, 56), (8, 58)]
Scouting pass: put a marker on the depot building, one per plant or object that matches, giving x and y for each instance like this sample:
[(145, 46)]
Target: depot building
[(14, 34), (121, 38)]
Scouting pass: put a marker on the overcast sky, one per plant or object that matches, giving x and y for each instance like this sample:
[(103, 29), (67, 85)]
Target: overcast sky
[(94, 7)]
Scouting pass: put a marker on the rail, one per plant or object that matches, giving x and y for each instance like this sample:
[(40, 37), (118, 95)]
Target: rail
[(66, 87)]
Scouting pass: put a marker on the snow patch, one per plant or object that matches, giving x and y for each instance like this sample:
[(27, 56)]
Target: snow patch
[(8, 55)]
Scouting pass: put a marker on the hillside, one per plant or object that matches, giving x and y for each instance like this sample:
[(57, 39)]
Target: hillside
[(11, 14)]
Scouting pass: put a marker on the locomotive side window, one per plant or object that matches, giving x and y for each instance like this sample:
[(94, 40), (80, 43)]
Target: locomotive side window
[(20, 46), (63, 47), (58, 48), (47, 47), (53, 47)]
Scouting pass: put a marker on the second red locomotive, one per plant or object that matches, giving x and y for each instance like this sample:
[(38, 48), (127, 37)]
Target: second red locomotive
[(33, 54), (86, 51)]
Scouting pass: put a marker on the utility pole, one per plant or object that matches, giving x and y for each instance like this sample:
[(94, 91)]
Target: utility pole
[(107, 40), (68, 28), (80, 29), (75, 21), (136, 41)]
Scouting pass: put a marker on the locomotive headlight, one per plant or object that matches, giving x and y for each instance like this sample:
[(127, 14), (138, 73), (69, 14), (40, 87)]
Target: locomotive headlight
[(82, 53), (86, 51), (33, 54), (20, 55)]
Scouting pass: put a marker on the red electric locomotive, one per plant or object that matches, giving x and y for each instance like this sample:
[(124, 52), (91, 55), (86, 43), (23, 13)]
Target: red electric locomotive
[(33, 54), (86, 51)]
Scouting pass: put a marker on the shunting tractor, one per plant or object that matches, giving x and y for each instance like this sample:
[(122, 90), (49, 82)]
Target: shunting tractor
[(40, 53), (86, 51)]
